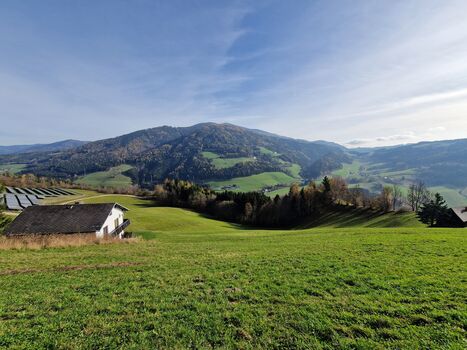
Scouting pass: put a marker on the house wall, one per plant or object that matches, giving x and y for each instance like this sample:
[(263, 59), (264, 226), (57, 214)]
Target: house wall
[(110, 222)]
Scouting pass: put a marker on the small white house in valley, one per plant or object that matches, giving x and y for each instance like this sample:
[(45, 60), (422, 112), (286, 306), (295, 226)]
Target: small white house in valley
[(106, 219)]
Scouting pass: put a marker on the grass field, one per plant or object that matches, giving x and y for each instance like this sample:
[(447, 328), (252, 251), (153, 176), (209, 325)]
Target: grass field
[(201, 283), (12, 168), (266, 151), (453, 197), (281, 192), (110, 178), (373, 177), (294, 170), (348, 170), (364, 218), (255, 182), (223, 163)]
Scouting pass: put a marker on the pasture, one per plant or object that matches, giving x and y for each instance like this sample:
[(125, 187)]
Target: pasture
[(12, 168), (194, 282), (110, 178), (256, 182), (223, 163)]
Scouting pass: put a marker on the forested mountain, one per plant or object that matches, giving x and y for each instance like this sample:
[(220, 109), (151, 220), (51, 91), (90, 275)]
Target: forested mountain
[(50, 147), (439, 163), (188, 153), (229, 156)]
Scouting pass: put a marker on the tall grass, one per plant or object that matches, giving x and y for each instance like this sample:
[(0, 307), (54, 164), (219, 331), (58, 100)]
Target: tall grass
[(52, 241)]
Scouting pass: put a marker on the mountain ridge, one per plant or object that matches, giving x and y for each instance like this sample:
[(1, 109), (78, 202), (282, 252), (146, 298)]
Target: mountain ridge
[(41, 147), (165, 151), (219, 153)]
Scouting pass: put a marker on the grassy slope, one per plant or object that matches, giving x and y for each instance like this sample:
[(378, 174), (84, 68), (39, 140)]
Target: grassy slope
[(294, 170), (223, 163), (281, 192), (148, 220), (264, 150), (205, 284), (364, 218), (12, 168), (453, 197), (348, 170), (255, 182), (110, 178)]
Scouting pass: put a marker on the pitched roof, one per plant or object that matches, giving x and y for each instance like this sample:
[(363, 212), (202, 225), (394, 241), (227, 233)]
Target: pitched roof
[(461, 212), (51, 219)]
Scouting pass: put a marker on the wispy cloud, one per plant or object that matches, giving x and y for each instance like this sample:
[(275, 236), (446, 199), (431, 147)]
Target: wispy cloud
[(375, 73)]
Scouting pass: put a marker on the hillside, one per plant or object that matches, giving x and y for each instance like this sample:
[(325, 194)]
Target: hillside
[(203, 153), (441, 165), (194, 282), (226, 156), (50, 147)]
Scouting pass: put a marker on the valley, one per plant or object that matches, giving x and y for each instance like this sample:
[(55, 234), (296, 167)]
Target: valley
[(228, 157)]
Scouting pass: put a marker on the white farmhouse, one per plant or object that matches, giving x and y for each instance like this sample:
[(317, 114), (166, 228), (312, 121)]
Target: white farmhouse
[(106, 219)]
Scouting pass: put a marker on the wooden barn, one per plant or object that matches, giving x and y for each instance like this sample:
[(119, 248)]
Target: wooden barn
[(99, 219), (460, 216)]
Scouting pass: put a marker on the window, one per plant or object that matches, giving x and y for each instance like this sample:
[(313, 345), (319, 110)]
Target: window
[(116, 222), (106, 230)]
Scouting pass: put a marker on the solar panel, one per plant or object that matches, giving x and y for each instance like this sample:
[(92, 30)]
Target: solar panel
[(36, 191), (33, 199), (10, 190), (28, 191), (19, 190), (23, 200), (12, 202), (68, 192), (47, 193), (62, 192), (53, 191)]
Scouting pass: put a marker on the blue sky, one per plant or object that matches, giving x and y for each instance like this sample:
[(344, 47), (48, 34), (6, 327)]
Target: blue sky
[(361, 73)]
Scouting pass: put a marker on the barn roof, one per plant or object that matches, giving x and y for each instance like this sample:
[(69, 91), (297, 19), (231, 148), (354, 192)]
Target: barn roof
[(461, 212), (54, 219)]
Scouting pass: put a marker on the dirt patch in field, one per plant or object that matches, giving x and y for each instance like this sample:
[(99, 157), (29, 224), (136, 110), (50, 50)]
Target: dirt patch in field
[(71, 268)]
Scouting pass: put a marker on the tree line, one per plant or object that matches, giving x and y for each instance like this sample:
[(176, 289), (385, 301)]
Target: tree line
[(310, 201), (256, 208)]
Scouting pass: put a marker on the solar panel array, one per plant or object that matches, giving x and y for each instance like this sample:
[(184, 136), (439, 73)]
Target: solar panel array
[(19, 198), (12, 202)]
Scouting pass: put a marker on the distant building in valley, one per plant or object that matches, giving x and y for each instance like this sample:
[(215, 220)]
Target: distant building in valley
[(99, 219)]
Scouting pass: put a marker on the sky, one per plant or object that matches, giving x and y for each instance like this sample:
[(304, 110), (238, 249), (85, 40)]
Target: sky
[(360, 73)]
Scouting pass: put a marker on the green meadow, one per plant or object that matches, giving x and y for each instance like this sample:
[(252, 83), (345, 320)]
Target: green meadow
[(12, 168), (223, 163), (256, 182), (110, 178), (373, 177), (194, 282)]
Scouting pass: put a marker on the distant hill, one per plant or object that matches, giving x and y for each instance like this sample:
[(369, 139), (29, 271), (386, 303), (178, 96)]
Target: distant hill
[(227, 156), (204, 152), (441, 165), (50, 147)]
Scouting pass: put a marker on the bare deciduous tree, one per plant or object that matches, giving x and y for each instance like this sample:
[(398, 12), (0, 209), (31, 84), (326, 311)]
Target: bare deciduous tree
[(396, 197), (385, 199), (418, 194)]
